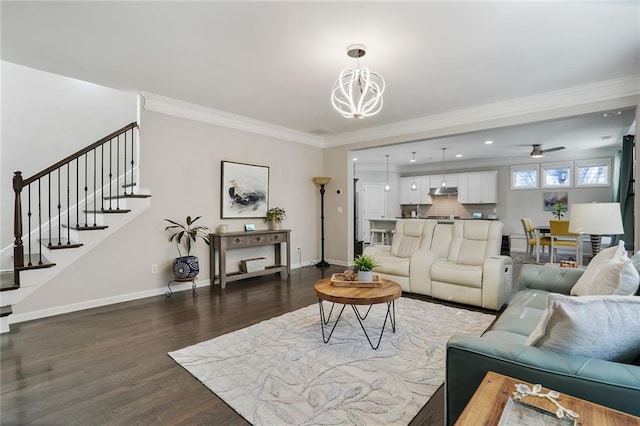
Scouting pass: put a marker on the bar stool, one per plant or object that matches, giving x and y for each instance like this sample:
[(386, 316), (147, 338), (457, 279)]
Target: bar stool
[(382, 233)]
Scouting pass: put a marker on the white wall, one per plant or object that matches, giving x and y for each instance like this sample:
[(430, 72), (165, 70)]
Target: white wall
[(180, 164), (46, 117)]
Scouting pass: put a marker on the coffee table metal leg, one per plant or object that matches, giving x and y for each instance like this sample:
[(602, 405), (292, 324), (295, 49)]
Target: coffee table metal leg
[(358, 312), (391, 314), (324, 321)]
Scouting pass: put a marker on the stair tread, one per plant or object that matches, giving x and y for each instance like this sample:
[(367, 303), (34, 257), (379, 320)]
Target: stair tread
[(107, 211), (86, 228), (121, 196), (35, 265), (5, 311), (61, 244)]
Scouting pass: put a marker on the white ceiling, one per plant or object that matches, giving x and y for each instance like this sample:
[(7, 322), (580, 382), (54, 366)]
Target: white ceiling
[(276, 61)]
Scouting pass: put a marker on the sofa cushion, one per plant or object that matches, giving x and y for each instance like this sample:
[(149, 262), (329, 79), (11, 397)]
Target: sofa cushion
[(584, 285), (471, 252), (523, 313), (604, 327), (389, 264), (407, 237), (453, 273)]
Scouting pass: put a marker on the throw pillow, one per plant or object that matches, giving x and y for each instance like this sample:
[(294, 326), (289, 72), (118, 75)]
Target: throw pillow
[(603, 327), (584, 285), (617, 277)]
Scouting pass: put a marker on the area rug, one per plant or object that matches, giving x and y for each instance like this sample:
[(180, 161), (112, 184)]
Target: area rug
[(280, 372)]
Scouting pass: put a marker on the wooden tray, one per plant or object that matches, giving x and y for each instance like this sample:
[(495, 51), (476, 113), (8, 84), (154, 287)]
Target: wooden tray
[(338, 280)]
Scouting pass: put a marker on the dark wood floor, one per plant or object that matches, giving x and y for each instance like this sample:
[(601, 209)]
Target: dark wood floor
[(109, 365)]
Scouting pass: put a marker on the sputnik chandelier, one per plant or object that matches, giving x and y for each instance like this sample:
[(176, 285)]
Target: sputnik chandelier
[(357, 92)]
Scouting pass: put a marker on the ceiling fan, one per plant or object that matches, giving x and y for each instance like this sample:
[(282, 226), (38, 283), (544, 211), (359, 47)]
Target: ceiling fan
[(538, 152)]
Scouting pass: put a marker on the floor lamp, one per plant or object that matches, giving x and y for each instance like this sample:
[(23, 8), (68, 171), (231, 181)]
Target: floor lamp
[(321, 182), (595, 219)]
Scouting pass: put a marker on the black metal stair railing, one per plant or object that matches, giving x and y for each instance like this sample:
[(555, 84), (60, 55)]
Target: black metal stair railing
[(88, 174)]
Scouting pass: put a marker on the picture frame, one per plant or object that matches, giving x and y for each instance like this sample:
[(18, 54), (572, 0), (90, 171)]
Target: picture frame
[(552, 197), (244, 190)]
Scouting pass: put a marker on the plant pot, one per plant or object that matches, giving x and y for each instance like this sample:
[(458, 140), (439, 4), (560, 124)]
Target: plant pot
[(185, 267), (275, 225), (365, 276)]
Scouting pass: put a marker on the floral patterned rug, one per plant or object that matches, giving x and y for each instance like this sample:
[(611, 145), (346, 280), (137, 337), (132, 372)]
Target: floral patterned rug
[(279, 371)]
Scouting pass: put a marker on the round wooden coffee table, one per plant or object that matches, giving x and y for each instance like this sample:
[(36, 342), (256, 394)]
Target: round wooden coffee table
[(387, 293)]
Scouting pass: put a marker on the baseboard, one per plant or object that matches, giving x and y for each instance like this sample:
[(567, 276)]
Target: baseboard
[(95, 303)]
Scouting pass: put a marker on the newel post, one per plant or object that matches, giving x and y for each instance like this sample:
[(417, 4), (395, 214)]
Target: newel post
[(18, 248)]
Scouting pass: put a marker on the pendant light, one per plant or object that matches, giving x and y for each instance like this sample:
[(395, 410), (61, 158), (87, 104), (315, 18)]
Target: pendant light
[(443, 184), (387, 188), (357, 93), (414, 185)]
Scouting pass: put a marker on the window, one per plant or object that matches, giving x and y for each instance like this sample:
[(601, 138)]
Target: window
[(524, 177), (556, 175), (593, 172)]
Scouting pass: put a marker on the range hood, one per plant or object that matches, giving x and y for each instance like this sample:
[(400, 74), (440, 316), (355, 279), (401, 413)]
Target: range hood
[(449, 190)]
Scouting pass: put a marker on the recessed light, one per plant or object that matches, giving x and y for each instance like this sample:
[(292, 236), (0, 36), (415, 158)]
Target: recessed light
[(355, 159), (488, 142), (612, 114), (604, 138), (458, 155)]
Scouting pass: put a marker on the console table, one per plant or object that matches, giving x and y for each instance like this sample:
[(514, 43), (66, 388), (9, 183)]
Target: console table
[(220, 243)]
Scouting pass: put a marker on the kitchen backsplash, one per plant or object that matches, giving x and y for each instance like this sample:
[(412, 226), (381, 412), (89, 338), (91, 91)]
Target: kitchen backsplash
[(447, 206)]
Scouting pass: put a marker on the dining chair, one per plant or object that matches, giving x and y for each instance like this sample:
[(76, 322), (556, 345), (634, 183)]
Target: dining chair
[(534, 240), (561, 237)]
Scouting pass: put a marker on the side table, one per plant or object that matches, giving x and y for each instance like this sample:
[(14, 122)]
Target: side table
[(489, 400)]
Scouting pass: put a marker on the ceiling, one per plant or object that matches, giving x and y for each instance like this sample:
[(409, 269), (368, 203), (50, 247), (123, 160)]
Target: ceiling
[(276, 61)]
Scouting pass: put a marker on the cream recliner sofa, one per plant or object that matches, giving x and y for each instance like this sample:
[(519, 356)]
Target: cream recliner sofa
[(458, 262)]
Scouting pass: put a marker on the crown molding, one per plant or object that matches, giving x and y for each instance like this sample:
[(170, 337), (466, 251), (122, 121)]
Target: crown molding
[(580, 95), (164, 105)]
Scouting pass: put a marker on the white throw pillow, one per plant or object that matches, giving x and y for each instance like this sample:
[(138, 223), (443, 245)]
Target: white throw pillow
[(616, 277), (584, 285), (603, 327)]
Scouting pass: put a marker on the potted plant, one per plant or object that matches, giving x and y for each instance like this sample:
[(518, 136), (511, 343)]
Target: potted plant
[(365, 264), (558, 210), (185, 236), (275, 216)]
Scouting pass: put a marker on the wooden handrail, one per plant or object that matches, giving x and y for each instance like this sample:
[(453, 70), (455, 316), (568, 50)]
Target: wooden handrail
[(19, 183), (72, 157)]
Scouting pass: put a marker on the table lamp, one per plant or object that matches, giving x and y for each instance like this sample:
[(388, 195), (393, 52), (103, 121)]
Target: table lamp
[(595, 219), (321, 181)]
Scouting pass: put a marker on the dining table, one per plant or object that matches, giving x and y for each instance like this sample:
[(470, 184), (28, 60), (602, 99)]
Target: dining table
[(545, 230)]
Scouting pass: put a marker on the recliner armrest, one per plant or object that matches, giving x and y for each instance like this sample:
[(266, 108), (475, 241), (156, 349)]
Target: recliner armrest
[(497, 279)]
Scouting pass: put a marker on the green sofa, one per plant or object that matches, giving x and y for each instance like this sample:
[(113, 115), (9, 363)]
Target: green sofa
[(502, 349)]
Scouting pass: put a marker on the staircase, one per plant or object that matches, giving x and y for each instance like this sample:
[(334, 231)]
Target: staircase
[(68, 209)]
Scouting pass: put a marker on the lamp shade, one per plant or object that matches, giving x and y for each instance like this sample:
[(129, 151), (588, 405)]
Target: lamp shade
[(595, 219), (321, 180)]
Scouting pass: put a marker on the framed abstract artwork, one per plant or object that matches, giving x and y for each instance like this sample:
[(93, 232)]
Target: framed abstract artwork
[(551, 197), (244, 190)]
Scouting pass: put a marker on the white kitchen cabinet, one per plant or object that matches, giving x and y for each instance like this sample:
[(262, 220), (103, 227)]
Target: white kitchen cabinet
[(424, 192), (435, 181), (407, 196), (463, 189), (478, 188)]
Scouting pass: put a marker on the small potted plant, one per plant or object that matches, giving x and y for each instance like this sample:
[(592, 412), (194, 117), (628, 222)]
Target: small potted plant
[(559, 210), (185, 236), (275, 216), (365, 264)]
